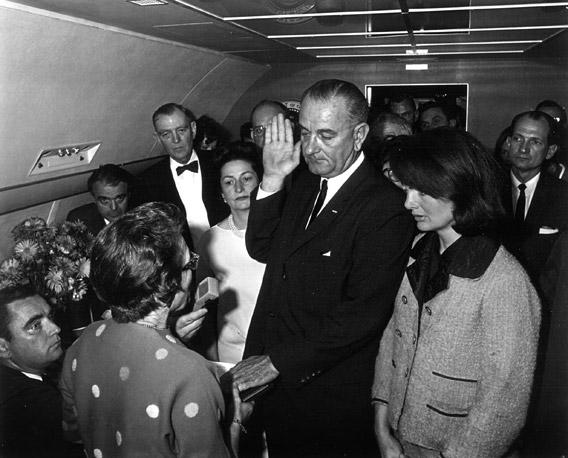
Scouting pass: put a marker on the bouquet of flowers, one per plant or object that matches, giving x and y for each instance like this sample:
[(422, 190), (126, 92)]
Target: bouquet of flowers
[(53, 259)]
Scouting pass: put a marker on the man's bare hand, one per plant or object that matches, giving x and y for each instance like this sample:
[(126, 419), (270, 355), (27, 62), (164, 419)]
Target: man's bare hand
[(187, 325), (253, 371), (280, 156)]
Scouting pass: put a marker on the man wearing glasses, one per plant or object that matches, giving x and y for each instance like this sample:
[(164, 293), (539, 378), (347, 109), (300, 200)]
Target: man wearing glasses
[(260, 117), (187, 178)]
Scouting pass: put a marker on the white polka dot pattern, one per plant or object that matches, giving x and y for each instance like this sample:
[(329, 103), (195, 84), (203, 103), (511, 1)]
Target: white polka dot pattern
[(118, 436), (172, 339), (74, 364), (97, 453), (161, 353), (100, 329), (191, 409), (96, 391), (153, 411), (124, 373)]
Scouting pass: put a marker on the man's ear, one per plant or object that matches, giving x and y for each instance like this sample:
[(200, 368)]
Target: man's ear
[(359, 134), (5, 352), (551, 151)]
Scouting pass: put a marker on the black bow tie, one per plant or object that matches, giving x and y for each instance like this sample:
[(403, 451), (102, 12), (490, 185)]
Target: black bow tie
[(193, 166)]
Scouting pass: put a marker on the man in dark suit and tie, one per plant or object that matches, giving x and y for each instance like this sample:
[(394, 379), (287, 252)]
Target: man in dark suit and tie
[(110, 187), (335, 243), (30, 403), (186, 178), (538, 202)]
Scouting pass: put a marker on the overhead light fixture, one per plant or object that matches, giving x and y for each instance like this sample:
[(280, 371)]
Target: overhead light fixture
[(148, 2), (328, 56), (407, 45), (416, 67), (397, 11), (421, 32)]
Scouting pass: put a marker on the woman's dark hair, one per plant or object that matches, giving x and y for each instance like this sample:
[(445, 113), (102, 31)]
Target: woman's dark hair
[(452, 164), (136, 261), (240, 151)]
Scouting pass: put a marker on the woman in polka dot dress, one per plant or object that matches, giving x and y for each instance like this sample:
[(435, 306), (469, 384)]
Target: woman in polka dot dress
[(132, 389)]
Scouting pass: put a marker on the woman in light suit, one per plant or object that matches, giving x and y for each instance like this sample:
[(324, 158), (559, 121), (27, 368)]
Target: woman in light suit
[(455, 366)]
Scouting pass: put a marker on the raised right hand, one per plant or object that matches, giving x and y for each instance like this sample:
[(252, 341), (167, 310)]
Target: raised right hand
[(280, 156)]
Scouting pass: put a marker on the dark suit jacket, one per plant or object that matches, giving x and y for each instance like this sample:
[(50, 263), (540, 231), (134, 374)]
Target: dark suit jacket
[(89, 215), (30, 418), (158, 185), (326, 297), (547, 216)]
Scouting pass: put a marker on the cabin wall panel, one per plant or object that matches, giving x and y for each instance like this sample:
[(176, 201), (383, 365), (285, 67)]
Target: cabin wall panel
[(498, 88), (67, 81)]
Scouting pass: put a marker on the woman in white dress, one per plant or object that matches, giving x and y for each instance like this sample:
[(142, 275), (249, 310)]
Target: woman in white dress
[(224, 255)]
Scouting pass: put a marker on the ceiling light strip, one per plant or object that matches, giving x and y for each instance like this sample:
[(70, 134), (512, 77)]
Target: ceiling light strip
[(401, 45), (421, 32), (297, 15), (395, 11), (414, 56)]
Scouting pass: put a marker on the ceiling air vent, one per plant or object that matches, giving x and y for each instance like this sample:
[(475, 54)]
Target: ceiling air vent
[(64, 157)]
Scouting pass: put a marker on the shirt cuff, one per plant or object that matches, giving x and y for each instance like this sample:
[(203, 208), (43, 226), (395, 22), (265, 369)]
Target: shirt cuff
[(261, 194)]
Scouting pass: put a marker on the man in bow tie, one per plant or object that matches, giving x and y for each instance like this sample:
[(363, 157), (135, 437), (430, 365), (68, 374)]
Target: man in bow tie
[(185, 178)]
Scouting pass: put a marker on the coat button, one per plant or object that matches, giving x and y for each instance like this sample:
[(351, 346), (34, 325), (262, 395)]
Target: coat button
[(284, 276), (413, 340), (393, 363), (398, 333), (406, 373), (428, 310), (404, 299)]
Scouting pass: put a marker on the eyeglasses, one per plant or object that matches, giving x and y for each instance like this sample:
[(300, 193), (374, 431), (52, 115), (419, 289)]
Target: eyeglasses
[(192, 263), (258, 131), (390, 175)]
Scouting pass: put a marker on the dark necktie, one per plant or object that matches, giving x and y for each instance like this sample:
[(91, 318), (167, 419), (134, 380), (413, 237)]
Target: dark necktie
[(319, 201), (520, 208), (193, 166)]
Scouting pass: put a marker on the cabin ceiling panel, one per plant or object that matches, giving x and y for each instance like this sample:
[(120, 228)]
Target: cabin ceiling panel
[(271, 31)]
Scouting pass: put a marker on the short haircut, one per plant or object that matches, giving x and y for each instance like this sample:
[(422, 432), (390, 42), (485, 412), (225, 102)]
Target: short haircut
[(270, 103), (240, 151), (451, 164), (7, 296), (553, 104), (386, 117), (325, 90), (400, 98), (448, 111), (552, 137), (169, 109), (136, 262), (110, 174)]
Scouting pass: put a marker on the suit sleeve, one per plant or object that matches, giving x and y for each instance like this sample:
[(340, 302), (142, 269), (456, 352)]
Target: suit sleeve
[(383, 367), (358, 302), (510, 326), (263, 221)]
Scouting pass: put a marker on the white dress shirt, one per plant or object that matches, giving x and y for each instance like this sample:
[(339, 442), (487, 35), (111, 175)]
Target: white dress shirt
[(189, 187), (529, 191)]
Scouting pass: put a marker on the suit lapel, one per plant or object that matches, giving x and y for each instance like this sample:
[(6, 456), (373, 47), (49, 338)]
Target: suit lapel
[(335, 207), (538, 202)]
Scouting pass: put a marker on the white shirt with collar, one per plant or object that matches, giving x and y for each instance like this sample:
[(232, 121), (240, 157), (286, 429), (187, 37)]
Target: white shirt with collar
[(529, 191), (334, 184), (189, 187)]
